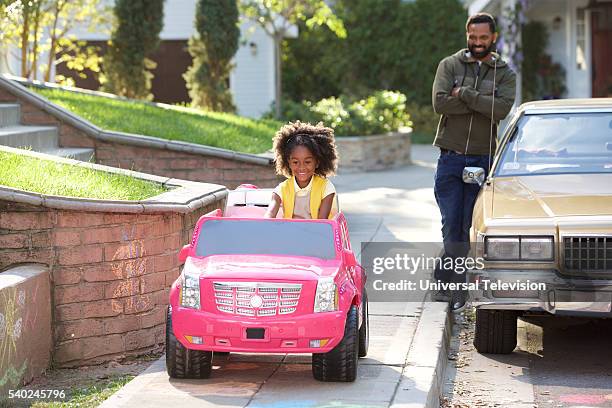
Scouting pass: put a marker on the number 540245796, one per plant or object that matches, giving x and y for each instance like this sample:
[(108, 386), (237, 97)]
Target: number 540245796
[(37, 394)]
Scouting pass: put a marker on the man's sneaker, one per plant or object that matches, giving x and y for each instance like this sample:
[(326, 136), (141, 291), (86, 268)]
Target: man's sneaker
[(458, 301), (441, 296)]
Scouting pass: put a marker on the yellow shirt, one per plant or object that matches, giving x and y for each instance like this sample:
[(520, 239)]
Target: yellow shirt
[(297, 201)]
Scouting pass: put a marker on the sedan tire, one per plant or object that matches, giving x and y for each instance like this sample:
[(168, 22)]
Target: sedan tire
[(495, 331)]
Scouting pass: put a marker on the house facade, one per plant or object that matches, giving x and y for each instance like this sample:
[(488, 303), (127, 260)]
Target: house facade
[(251, 81), (580, 38)]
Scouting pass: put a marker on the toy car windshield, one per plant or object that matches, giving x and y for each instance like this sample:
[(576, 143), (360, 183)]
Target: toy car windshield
[(266, 237)]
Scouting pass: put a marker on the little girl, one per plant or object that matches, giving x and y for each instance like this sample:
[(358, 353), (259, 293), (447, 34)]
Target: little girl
[(306, 155)]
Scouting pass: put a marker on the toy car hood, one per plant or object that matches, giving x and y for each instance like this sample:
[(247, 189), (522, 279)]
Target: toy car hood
[(264, 267)]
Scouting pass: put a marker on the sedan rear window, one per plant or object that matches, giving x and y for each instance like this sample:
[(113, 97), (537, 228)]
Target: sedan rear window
[(266, 237), (563, 143)]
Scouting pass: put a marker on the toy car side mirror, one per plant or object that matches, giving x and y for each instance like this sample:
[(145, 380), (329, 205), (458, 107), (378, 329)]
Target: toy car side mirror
[(184, 253)]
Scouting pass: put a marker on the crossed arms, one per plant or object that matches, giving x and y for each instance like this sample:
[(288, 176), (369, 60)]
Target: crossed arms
[(450, 99)]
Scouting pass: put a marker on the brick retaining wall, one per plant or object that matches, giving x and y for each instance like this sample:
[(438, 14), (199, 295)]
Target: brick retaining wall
[(184, 165), (110, 274)]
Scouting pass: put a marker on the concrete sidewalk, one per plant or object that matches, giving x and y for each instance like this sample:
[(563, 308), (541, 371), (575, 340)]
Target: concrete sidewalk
[(408, 341)]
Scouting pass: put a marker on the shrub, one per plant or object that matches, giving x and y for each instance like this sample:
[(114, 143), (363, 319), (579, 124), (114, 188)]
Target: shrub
[(212, 50), (424, 122), (333, 113), (127, 70), (292, 111), (382, 112)]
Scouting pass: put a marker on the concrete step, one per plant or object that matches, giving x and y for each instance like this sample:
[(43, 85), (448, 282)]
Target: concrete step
[(10, 114), (82, 154), (35, 137)]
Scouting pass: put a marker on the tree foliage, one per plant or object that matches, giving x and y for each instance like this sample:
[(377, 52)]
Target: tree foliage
[(212, 49), (41, 28), (276, 18), (135, 36), (390, 44)]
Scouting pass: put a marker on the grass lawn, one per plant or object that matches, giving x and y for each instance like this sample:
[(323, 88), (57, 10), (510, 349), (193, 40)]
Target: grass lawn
[(222, 130), (88, 396), (48, 177)]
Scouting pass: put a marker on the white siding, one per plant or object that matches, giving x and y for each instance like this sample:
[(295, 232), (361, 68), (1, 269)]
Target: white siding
[(477, 6), (179, 19), (252, 80)]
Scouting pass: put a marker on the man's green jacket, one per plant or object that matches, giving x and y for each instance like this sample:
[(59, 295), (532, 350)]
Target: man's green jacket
[(465, 122)]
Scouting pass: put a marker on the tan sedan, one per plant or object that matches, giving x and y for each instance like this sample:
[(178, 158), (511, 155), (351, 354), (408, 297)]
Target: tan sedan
[(542, 222)]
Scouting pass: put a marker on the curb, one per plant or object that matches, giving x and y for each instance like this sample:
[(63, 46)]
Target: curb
[(423, 376)]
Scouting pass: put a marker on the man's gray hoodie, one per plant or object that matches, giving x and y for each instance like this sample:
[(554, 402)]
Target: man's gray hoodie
[(465, 124)]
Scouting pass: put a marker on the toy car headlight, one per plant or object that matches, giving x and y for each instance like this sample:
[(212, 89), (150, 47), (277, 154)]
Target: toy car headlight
[(190, 290), (326, 298)]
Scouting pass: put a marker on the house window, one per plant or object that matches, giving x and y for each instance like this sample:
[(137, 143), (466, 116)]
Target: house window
[(581, 63)]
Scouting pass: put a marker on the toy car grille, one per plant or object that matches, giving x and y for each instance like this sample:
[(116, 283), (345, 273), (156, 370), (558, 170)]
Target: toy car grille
[(588, 254), (257, 298)]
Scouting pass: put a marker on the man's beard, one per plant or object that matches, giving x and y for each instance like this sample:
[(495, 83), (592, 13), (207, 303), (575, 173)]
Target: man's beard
[(480, 54)]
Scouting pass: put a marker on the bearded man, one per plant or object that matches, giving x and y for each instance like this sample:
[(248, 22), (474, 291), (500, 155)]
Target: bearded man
[(473, 90)]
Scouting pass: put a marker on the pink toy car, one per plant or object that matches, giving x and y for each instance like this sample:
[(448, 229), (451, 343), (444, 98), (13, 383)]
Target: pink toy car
[(256, 285)]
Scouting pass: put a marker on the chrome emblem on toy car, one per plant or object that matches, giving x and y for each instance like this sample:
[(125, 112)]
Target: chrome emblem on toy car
[(256, 301)]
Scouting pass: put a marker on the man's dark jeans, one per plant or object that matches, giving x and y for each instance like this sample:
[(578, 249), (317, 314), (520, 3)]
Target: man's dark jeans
[(456, 201)]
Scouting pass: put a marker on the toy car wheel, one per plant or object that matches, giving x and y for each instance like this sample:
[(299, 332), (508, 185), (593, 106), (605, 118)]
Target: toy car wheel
[(340, 364), (364, 330), (495, 331), (182, 362)]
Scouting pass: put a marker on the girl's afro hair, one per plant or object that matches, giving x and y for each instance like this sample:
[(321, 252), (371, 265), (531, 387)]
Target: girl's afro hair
[(317, 138)]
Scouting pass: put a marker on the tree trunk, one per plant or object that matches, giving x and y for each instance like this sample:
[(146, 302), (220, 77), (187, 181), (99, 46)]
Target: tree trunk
[(53, 42), (34, 69), (50, 61), (24, 44), (277, 75)]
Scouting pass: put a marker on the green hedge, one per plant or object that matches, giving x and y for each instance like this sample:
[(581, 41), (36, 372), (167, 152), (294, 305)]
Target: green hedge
[(381, 112)]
